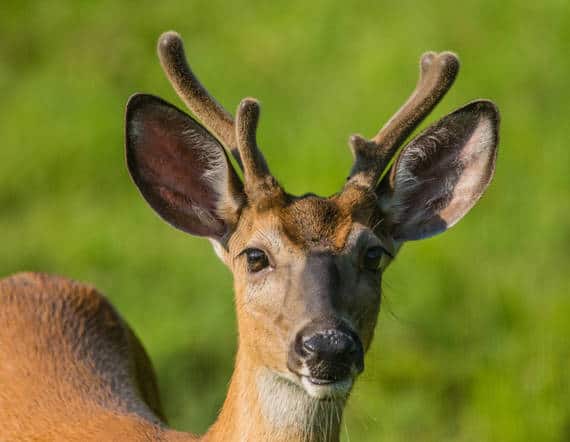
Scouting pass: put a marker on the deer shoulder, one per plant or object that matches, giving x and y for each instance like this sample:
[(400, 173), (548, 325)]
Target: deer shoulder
[(70, 365)]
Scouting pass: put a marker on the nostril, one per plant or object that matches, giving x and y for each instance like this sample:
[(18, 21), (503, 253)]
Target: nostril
[(311, 344)]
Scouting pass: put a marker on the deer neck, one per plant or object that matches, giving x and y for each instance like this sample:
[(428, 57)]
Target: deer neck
[(261, 405)]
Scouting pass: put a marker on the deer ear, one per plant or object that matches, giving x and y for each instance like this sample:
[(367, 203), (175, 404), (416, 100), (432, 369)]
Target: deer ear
[(440, 175), (180, 168)]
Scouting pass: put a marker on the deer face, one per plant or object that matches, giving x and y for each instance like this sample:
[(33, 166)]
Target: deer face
[(307, 279), (307, 269)]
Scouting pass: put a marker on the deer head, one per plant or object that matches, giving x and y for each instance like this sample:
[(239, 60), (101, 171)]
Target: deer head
[(307, 269)]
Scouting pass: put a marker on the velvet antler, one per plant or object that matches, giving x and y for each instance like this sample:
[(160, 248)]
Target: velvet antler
[(437, 73)]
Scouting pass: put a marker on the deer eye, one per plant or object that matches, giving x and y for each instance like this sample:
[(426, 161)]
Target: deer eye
[(373, 257), (256, 260)]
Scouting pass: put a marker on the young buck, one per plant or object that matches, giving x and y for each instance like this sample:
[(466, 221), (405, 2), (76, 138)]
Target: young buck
[(307, 269)]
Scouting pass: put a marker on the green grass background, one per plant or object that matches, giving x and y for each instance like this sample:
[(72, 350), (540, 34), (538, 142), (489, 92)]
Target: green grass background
[(473, 343)]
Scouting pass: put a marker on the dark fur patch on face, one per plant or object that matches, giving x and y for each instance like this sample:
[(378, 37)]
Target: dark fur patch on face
[(311, 221)]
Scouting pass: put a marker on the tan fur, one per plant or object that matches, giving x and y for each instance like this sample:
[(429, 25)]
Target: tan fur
[(70, 366)]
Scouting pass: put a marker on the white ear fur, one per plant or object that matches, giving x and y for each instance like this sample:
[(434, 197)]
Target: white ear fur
[(476, 156), (442, 173), (219, 250)]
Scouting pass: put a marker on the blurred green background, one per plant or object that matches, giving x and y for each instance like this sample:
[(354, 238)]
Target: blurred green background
[(473, 343)]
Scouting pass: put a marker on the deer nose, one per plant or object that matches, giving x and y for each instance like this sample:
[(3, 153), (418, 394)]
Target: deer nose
[(329, 344), (331, 354)]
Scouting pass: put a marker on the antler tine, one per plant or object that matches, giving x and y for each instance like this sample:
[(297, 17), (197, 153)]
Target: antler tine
[(258, 180), (437, 74), (173, 60)]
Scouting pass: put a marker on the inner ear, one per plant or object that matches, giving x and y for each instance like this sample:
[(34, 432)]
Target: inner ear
[(441, 174), (181, 170)]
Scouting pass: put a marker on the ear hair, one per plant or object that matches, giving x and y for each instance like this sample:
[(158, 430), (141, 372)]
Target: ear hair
[(441, 174), (181, 170)]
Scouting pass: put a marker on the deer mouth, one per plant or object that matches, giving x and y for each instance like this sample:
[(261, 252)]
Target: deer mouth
[(318, 381), (327, 388)]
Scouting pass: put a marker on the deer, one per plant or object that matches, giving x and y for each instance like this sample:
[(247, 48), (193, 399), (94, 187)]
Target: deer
[(307, 269)]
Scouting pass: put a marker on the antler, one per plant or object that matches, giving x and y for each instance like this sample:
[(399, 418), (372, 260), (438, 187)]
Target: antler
[(258, 180), (437, 73), (205, 107), (239, 138)]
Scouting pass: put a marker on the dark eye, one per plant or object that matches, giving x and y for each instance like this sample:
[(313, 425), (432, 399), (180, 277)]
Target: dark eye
[(256, 260), (373, 257)]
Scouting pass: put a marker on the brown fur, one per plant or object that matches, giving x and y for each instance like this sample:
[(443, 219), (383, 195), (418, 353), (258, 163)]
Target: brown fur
[(313, 222), (70, 366)]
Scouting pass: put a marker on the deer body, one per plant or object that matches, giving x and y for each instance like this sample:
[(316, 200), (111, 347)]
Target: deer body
[(69, 363), (307, 269), (72, 370)]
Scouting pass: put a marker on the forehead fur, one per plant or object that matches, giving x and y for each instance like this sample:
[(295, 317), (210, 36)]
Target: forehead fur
[(311, 221)]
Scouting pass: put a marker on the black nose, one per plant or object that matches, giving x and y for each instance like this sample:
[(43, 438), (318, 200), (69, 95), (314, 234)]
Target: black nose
[(330, 354), (329, 344)]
